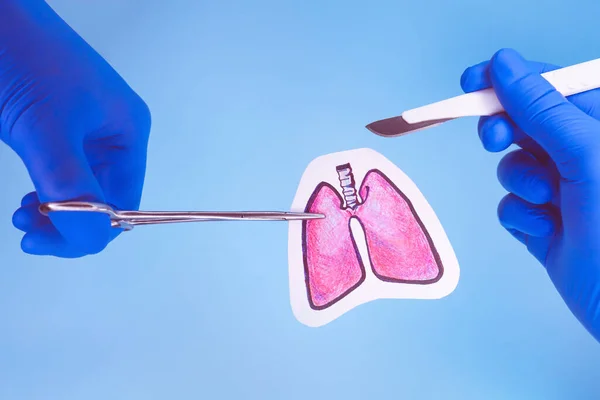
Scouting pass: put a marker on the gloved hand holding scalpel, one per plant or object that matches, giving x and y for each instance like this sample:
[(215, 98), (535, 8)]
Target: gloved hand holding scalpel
[(554, 178)]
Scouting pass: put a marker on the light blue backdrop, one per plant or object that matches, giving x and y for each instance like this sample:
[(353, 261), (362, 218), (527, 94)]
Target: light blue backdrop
[(244, 95)]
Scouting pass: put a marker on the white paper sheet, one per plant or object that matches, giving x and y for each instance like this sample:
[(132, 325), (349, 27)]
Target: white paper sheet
[(380, 239)]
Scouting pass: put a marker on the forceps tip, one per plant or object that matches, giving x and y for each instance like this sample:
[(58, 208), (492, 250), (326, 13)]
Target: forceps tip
[(303, 216)]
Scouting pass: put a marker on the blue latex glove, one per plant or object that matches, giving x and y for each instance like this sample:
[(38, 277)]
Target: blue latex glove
[(80, 130), (553, 179)]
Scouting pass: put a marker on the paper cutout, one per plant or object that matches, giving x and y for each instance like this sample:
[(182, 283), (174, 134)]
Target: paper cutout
[(380, 238)]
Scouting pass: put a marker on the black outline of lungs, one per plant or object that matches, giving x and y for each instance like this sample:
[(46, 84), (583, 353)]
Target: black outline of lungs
[(358, 255)]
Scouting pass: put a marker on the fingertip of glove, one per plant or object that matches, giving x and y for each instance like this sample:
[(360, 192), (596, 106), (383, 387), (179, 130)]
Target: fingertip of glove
[(473, 79), (495, 133), (508, 66), (464, 80), (29, 198), (18, 220), (30, 245)]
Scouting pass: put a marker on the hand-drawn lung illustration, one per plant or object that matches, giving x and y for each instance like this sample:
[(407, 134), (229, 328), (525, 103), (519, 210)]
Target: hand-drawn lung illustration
[(378, 240)]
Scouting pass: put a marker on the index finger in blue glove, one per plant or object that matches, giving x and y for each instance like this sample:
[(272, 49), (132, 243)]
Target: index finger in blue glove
[(497, 133), (561, 129), (477, 77)]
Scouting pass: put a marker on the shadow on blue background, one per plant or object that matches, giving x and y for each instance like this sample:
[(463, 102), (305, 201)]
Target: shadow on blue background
[(244, 95)]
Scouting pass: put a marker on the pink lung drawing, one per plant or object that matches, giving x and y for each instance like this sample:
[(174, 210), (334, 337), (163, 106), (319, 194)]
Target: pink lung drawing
[(399, 247)]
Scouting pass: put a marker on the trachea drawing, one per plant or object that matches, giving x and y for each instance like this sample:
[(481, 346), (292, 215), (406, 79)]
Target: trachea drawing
[(399, 247)]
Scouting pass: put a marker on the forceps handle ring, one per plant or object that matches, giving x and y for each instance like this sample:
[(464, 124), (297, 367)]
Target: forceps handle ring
[(84, 206)]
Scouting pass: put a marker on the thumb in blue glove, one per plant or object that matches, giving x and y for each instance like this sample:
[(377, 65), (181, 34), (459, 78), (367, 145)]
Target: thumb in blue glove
[(80, 130), (553, 179)]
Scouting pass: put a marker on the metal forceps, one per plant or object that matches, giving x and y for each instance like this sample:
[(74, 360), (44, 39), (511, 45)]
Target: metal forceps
[(128, 219)]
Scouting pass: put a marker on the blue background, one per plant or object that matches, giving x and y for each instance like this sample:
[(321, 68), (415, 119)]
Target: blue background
[(244, 95)]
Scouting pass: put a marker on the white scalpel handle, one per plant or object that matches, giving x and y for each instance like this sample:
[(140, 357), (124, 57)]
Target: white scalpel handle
[(568, 81)]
